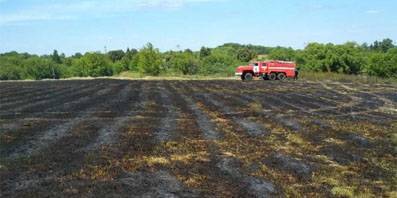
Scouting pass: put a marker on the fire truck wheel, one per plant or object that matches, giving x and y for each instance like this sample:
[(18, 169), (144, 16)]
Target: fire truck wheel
[(281, 76), (272, 76), (248, 76)]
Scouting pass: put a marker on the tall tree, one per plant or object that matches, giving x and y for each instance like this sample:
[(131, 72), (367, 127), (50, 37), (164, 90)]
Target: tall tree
[(204, 52), (383, 46), (56, 58), (116, 55), (245, 54)]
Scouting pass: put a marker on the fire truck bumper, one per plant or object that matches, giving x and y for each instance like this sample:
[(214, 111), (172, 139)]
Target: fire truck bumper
[(238, 73)]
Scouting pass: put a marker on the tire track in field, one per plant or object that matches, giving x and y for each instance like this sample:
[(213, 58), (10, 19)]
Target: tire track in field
[(358, 107), (36, 89), (14, 103), (387, 105), (310, 99), (43, 99), (269, 100), (164, 130), (133, 96), (56, 108), (250, 127), (40, 116), (371, 106), (278, 96), (56, 98), (168, 123), (203, 121), (31, 90), (353, 100), (41, 113), (16, 93), (144, 138), (20, 130), (206, 130), (227, 165), (66, 155), (276, 115), (55, 133), (76, 100)]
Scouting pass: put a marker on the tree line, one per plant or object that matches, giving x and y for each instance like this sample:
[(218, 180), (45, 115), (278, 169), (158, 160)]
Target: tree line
[(376, 59)]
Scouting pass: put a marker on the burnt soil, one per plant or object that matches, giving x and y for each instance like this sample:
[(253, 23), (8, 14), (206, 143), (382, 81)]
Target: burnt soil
[(119, 138)]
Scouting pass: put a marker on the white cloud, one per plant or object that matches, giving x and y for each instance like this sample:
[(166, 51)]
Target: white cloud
[(74, 8), (372, 11), (168, 3)]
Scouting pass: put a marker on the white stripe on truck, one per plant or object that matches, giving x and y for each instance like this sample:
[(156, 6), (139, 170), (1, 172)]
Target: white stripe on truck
[(285, 68)]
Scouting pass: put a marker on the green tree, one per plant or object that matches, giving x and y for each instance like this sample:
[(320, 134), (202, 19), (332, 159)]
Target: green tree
[(219, 62), (129, 60), (382, 46), (383, 64), (346, 58), (92, 64), (245, 54), (41, 68), (56, 58), (188, 51), (77, 55), (281, 53), (116, 55), (183, 62), (204, 52), (149, 60), (10, 72)]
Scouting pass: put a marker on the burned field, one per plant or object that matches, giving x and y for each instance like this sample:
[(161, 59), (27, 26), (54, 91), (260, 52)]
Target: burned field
[(197, 139)]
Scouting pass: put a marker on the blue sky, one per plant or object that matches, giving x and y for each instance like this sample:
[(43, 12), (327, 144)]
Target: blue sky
[(39, 26)]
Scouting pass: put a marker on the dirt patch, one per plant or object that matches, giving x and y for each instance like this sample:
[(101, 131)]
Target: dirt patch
[(290, 164), (357, 140), (156, 184), (338, 154), (290, 123), (252, 128), (255, 186)]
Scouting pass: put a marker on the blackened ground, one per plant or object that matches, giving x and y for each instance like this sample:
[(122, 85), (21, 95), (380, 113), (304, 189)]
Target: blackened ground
[(119, 138)]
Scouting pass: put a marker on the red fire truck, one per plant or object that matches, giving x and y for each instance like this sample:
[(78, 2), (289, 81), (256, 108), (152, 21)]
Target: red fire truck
[(268, 70)]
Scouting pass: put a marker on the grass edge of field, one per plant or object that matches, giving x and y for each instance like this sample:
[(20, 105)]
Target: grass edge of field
[(305, 75)]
